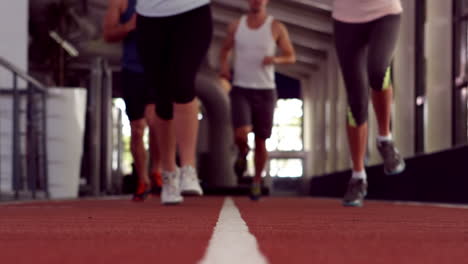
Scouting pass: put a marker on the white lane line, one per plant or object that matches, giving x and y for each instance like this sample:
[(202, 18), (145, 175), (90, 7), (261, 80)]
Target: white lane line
[(429, 204), (231, 241)]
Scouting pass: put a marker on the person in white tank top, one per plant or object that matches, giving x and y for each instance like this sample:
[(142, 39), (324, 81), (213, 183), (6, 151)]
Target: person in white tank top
[(359, 11), (254, 38)]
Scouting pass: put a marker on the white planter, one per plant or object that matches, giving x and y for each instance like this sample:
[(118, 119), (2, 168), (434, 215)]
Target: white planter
[(66, 108)]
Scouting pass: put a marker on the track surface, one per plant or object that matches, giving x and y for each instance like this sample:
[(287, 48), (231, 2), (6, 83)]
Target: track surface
[(287, 230)]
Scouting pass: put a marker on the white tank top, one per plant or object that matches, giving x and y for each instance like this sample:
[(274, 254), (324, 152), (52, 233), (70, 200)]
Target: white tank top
[(164, 8), (251, 46), (361, 11)]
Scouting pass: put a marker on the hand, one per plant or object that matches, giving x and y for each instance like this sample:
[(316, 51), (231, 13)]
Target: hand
[(131, 24), (268, 60), (225, 74), (225, 84)]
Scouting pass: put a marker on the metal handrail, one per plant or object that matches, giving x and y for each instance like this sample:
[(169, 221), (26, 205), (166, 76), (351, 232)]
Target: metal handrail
[(33, 87), (22, 74)]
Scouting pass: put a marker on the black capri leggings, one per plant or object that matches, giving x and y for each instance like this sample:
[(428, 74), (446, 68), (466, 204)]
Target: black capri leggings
[(172, 50), (365, 52)]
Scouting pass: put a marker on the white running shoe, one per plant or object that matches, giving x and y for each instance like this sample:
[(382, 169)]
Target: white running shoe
[(170, 193), (189, 184)]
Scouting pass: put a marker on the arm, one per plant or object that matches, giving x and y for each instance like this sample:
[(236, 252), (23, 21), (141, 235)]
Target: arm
[(226, 50), (287, 54), (113, 30)]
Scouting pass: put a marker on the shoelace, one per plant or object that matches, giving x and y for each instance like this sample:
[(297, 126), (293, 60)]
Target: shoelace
[(192, 178), (169, 182), (189, 174), (389, 151), (355, 189)]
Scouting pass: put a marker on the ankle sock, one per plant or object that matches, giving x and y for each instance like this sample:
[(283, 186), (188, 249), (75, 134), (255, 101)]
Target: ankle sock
[(384, 138), (359, 175)]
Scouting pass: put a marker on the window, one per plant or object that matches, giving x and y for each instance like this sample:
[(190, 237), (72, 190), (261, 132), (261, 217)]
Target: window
[(286, 142)]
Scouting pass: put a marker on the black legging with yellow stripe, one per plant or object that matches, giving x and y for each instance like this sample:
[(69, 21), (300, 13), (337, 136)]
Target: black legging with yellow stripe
[(365, 51)]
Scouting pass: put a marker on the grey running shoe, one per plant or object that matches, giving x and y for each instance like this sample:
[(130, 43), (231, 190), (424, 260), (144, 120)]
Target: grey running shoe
[(357, 190), (393, 162)]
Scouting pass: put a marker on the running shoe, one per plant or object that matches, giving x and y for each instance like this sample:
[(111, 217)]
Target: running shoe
[(170, 193), (357, 190), (393, 162), (141, 193), (255, 191), (189, 183)]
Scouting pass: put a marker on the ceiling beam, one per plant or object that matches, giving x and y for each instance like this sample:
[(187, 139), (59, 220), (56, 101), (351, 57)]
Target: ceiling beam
[(322, 5)]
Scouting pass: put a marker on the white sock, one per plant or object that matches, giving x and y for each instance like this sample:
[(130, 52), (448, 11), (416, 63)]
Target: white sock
[(384, 138), (359, 175)]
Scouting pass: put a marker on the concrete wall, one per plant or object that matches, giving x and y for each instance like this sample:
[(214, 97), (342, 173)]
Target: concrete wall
[(13, 47), (438, 108), (13, 36), (404, 82)]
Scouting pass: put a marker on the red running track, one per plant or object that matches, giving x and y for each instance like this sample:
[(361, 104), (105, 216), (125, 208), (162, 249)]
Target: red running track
[(288, 230), (292, 230), (106, 231)]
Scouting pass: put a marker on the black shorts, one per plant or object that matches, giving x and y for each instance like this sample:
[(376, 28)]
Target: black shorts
[(172, 50), (135, 94), (253, 107)]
